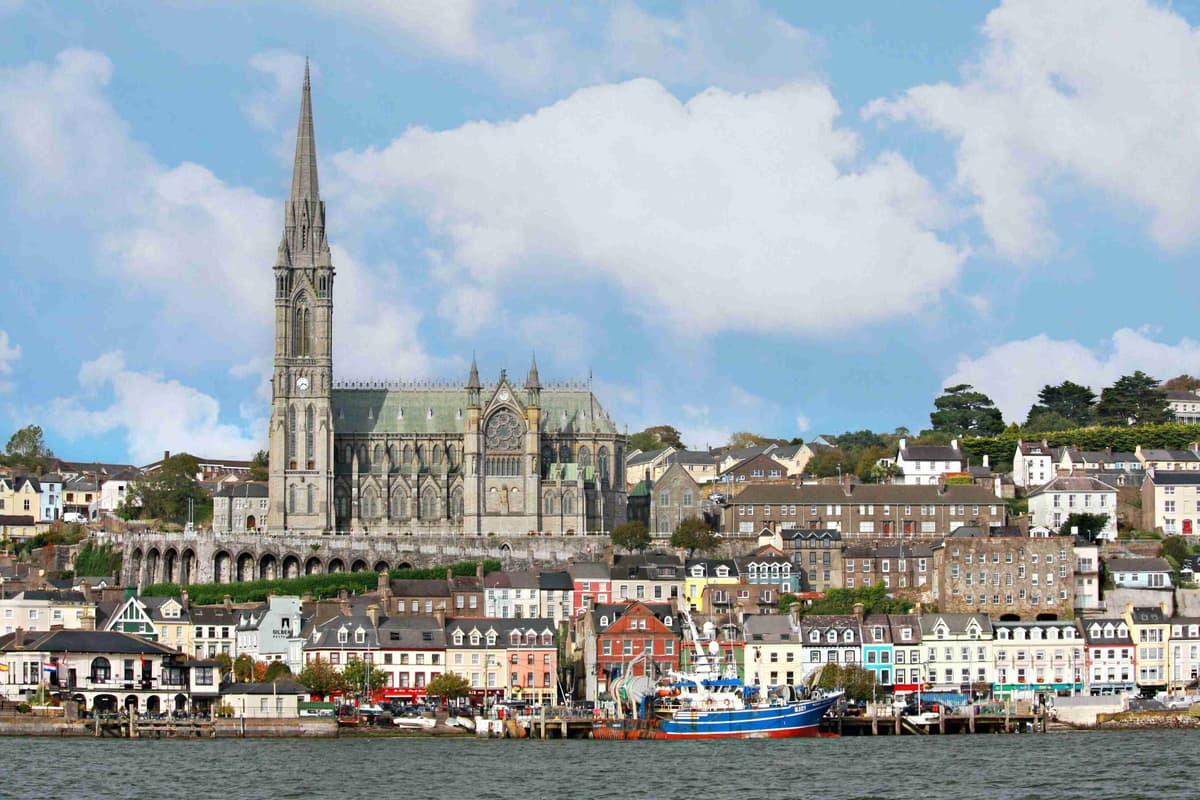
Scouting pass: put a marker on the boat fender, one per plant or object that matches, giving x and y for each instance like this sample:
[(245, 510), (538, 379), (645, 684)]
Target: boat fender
[(727, 703)]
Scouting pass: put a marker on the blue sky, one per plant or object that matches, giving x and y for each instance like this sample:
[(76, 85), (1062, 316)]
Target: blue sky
[(786, 218)]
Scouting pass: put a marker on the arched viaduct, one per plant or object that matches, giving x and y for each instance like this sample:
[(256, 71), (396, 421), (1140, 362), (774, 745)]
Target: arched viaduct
[(205, 557)]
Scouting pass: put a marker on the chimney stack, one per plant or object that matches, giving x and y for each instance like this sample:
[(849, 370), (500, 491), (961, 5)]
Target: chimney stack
[(859, 611), (166, 454), (19, 637), (373, 615), (228, 602), (449, 574), (440, 616), (479, 570), (183, 598)]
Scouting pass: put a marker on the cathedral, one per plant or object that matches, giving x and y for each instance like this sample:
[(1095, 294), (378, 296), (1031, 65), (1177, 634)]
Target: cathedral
[(506, 457)]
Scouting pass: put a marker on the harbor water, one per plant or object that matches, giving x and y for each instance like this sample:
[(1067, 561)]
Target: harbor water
[(1118, 764)]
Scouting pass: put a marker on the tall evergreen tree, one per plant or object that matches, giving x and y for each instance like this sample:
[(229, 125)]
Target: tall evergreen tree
[(1069, 400), (962, 411), (1133, 400)]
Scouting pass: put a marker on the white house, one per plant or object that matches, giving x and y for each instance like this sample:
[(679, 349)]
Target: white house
[(52, 497), (1171, 502), (1139, 573), (1087, 576), (1110, 656), (40, 610), (272, 632), (926, 464), (1033, 463), (772, 651), (1051, 504), (113, 492), (279, 699), (958, 651), (1037, 657), (1184, 405)]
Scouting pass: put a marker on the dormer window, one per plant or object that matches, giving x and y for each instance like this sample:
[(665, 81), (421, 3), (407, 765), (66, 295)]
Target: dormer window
[(491, 638), (547, 639), (475, 638), (604, 621), (848, 636), (722, 572), (343, 636), (815, 636), (514, 638), (458, 638), (831, 637), (667, 621)]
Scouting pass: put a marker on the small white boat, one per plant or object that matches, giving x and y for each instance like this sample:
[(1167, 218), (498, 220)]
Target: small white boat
[(466, 723), (414, 723)]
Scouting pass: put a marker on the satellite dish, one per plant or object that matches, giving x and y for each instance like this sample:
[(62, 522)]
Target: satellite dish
[(714, 648)]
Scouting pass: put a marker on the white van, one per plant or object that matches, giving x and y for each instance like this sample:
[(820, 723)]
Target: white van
[(74, 517)]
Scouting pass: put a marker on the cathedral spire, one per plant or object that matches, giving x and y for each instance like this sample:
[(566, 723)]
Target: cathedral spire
[(473, 378), (304, 173), (532, 381)]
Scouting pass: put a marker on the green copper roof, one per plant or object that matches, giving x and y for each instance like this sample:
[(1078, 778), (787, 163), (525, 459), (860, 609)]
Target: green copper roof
[(444, 411)]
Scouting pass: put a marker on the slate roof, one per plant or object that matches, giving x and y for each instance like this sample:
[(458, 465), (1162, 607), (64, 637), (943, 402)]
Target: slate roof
[(807, 534), (956, 623), (502, 626), (1169, 455), (16, 519), (1182, 395), (823, 623), (589, 571), (770, 628), (1172, 477), (866, 493), (644, 457), (1137, 565), (615, 611), (1073, 484), (412, 633), (1148, 615), (212, 615), (419, 587), (556, 582), (930, 452), (406, 411), (56, 596), (242, 489), (711, 565), (1115, 639), (86, 642), (325, 635)]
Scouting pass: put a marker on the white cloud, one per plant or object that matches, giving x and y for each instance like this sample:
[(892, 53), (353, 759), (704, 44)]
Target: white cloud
[(202, 247), (802, 423), (1098, 93), (562, 336), (155, 414), (1013, 373), (708, 209), (446, 26), (269, 106), (9, 355)]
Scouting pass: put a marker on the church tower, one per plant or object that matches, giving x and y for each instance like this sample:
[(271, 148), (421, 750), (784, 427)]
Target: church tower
[(301, 433)]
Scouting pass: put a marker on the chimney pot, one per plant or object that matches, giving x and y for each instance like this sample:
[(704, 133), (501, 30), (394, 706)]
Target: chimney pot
[(227, 601)]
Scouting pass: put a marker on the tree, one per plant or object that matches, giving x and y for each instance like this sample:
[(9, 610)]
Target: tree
[(225, 665), (1069, 401), (826, 461), (320, 678), (27, 447), (1176, 548), (275, 670), (842, 601), (859, 682), (693, 534), (740, 439), (1089, 525), (362, 677), (1046, 421), (259, 467), (1133, 400), (962, 411), (631, 536), (164, 494), (1182, 383), (448, 686), (655, 437), (243, 668), (860, 440)]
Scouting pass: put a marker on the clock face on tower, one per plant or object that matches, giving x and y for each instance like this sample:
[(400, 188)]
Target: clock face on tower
[(302, 383)]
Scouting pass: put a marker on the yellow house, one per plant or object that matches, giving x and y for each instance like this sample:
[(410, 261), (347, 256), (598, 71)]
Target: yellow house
[(20, 496), (1150, 629), (700, 573)]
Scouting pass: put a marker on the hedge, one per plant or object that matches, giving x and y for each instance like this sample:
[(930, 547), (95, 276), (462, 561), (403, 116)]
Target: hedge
[(1000, 449), (319, 585)]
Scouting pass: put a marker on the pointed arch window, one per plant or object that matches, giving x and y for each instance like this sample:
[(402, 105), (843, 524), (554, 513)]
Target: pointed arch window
[(456, 504), (585, 457), (429, 505), (310, 422), (399, 505), (377, 460), (392, 457), (564, 453), (602, 466), (301, 328), (407, 457), (568, 503), (451, 457), (311, 501), (437, 455), (362, 457), (548, 504), (547, 459), (291, 437), (421, 456), (291, 499)]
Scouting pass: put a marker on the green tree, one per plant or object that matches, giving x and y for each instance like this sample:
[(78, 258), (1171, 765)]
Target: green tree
[(694, 535), (243, 668), (27, 448), (1176, 548), (826, 461), (164, 494), (97, 560), (1133, 400), (842, 601), (1069, 401), (1182, 383), (655, 437), (320, 678), (1045, 421), (276, 670), (225, 665), (1089, 525), (448, 686), (962, 411), (859, 682), (631, 536), (259, 467), (362, 677), (861, 440)]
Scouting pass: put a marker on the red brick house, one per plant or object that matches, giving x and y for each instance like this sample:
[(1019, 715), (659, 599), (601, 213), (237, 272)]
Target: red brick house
[(625, 632)]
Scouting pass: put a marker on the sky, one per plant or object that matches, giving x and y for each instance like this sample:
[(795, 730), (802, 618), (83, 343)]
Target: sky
[(786, 218)]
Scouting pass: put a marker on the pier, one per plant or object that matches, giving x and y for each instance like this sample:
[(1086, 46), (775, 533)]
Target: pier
[(934, 724)]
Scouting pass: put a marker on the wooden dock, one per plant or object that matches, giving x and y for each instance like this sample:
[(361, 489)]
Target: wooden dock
[(934, 724)]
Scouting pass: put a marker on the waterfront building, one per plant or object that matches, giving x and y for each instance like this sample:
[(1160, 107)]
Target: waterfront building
[(909, 673), (649, 577), (635, 639), (106, 671), (412, 652), (958, 651), (1109, 650), (903, 568), (878, 652), (1184, 669), (159, 619), (214, 630), (504, 659), (40, 610), (272, 631), (279, 699), (1038, 658), (350, 636), (830, 639), (773, 654), (1150, 629)]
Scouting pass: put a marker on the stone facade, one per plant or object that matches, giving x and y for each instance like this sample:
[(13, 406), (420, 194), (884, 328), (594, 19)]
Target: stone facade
[(505, 458)]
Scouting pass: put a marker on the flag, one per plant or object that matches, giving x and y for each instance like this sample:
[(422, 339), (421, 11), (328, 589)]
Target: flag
[(3, 667), (49, 667)]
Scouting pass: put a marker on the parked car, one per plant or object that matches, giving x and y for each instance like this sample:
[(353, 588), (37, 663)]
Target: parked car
[(926, 707), (855, 708)]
